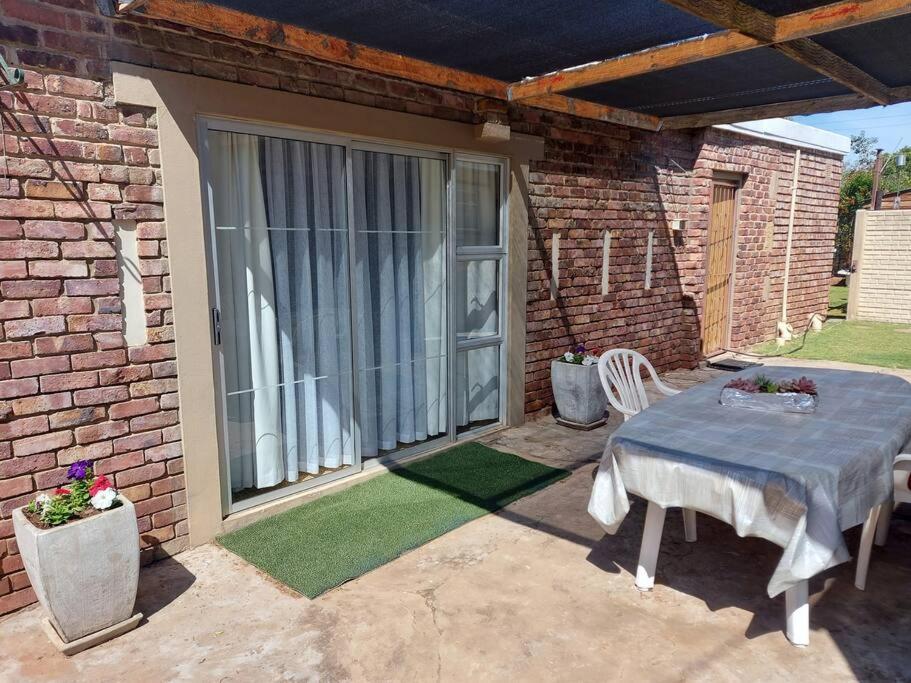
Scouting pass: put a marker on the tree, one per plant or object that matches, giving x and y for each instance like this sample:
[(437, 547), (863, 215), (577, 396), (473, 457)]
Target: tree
[(897, 177), (856, 189), (863, 148)]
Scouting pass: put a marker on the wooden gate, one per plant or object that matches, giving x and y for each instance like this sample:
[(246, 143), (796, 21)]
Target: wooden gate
[(719, 267)]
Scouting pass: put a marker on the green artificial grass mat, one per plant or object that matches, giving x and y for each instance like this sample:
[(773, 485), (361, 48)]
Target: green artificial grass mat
[(319, 545)]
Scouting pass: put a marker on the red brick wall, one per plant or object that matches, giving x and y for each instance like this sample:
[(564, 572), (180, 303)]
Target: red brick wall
[(69, 388), (762, 230), (595, 178)]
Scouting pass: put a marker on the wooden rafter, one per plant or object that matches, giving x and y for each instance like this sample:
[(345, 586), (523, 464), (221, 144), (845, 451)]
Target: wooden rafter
[(738, 16), (634, 64), (813, 55), (793, 108), (731, 14), (248, 27), (791, 27)]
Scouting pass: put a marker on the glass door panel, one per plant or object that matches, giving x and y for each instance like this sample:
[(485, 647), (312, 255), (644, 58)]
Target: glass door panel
[(477, 214), (279, 213), (477, 299), (480, 260), (477, 384), (400, 276)]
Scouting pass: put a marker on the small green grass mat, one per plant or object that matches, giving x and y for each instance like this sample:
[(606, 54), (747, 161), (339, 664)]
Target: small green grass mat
[(319, 545)]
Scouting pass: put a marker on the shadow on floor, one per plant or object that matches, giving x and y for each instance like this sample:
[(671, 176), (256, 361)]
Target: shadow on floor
[(872, 628), (160, 588)]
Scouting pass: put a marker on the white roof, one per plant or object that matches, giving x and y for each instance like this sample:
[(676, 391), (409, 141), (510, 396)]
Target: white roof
[(792, 133)]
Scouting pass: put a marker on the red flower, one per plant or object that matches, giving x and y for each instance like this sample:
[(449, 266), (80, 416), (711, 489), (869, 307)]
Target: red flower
[(61, 491), (101, 483)]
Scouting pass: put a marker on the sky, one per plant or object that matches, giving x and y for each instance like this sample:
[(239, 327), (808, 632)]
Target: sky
[(890, 125)]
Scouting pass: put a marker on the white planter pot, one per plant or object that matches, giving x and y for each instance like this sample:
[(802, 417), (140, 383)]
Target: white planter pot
[(85, 572), (578, 393)]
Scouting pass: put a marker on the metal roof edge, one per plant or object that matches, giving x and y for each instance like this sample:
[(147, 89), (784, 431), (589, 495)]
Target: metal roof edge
[(792, 133)]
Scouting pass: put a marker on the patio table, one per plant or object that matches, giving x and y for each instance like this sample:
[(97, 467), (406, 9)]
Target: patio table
[(797, 480)]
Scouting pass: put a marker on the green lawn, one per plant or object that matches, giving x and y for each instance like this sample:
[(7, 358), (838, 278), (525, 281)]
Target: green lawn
[(838, 301), (882, 344)]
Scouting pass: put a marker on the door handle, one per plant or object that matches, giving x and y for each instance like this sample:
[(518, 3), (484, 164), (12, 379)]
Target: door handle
[(216, 327)]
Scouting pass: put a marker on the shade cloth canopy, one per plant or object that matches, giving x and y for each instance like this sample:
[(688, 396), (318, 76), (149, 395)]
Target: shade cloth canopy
[(794, 479), (510, 41)]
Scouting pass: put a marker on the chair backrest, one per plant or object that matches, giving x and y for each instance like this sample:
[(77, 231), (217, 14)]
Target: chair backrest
[(621, 372), (902, 475)]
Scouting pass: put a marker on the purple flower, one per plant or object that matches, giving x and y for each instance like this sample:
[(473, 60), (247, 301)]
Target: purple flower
[(580, 348), (79, 469)]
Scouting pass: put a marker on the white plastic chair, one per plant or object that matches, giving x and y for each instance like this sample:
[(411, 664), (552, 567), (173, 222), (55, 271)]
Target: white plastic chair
[(621, 372), (877, 524)]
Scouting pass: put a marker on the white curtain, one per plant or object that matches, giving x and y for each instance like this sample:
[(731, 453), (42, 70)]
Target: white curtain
[(249, 331), (305, 196), (400, 275), (281, 211), (433, 222)]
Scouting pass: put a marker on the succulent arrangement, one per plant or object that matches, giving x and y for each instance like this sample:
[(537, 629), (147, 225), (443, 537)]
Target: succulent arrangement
[(761, 384)]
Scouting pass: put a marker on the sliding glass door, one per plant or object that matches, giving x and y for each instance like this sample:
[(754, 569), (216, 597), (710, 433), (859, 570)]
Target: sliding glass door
[(400, 278), (279, 212), (358, 302)]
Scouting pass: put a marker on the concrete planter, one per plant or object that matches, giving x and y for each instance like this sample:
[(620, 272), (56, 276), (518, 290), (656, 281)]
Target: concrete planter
[(578, 393), (85, 572)]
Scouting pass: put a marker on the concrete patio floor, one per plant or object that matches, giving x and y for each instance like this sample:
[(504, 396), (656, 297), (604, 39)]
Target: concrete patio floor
[(535, 592)]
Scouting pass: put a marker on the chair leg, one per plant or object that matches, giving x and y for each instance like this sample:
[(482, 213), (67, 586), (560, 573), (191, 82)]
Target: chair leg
[(689, 525), (882, 526), (866, 545), (797, 611), (651, 543)]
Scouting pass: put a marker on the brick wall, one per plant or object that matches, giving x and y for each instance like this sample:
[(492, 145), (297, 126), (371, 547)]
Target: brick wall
[(595, 178), (70, 388), (767, 170), (881, 287)]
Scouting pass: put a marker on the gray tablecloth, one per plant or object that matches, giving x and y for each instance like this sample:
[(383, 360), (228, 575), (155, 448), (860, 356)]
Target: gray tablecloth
[(796, 480)]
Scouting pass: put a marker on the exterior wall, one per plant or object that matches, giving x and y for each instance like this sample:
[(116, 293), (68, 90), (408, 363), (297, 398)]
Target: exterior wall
[(881, 285), (70, 388), (767, 171), (595, 178)]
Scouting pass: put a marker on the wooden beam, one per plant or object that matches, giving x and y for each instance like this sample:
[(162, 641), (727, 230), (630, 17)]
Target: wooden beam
[(243, 26), (813, 55), (735, 15), (731, 14), (591, 110), (830, 17), (836, 16), (634, 64), (794, 108), (254, 29)]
